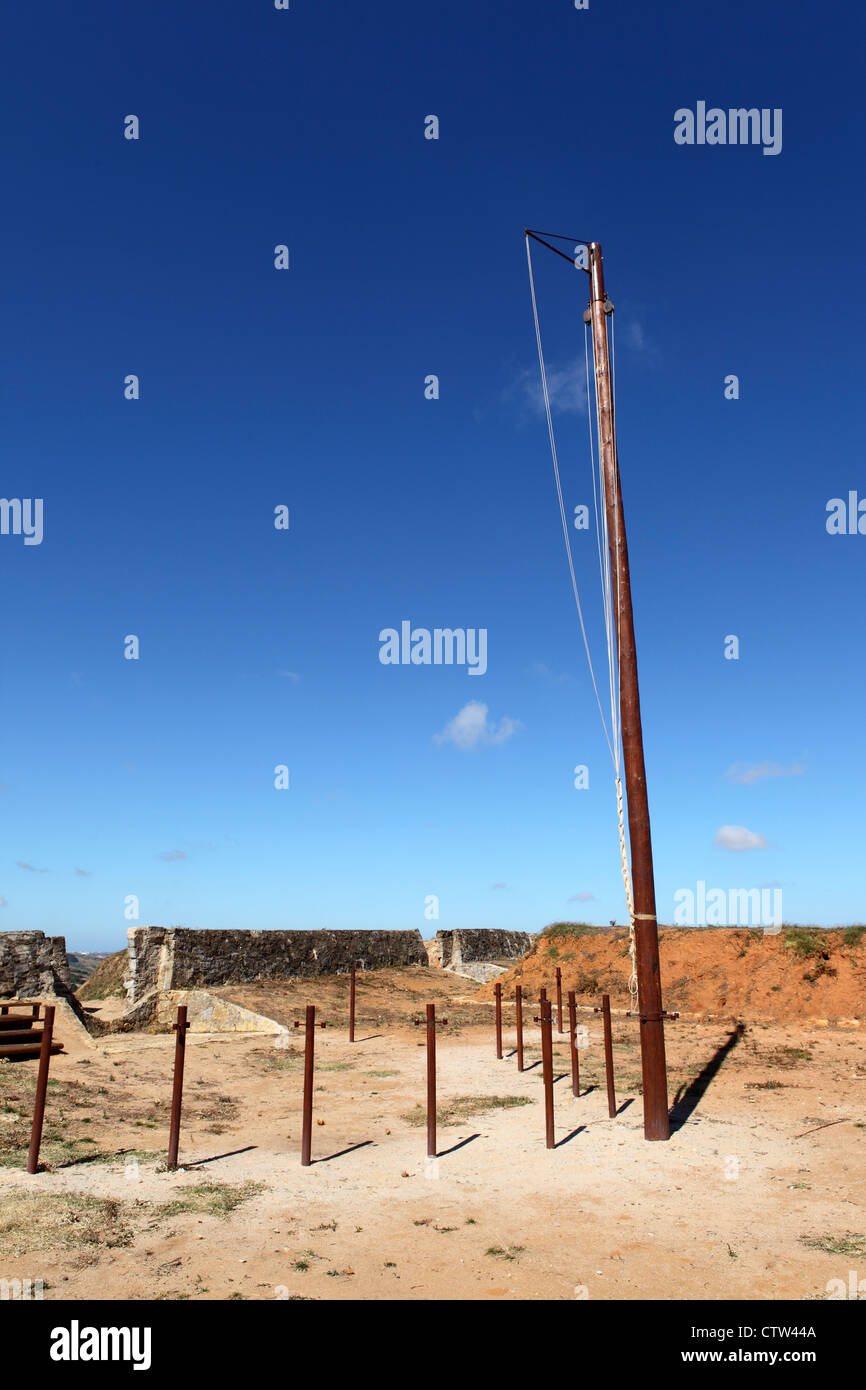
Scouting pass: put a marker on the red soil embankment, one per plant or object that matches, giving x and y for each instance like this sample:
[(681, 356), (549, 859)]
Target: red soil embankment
[(713, 973)]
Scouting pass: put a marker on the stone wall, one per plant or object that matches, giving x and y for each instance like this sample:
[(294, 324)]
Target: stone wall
[(32, 963), (167, 958), (478, 946)]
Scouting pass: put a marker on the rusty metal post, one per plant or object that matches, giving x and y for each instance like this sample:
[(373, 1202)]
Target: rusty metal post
[(572, 1042), (652, 1033), (352, 1005), (41, 1089), (431, 1080), (518, 1002), (559, 1027), (179, 1028), (497, 991), (309, 1056), (608, 1056), (547, 1068)]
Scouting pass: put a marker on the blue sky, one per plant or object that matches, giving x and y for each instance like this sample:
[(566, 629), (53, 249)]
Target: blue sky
[(259, 387)]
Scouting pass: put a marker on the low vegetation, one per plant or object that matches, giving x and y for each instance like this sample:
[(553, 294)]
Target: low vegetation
[(61, 1221), (454, 1112)]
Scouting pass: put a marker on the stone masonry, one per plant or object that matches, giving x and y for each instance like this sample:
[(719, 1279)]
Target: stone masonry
[(467, 950), (168, 958), (32, 963)]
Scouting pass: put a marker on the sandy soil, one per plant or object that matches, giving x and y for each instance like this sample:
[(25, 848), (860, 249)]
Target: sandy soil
[(726, 1209)]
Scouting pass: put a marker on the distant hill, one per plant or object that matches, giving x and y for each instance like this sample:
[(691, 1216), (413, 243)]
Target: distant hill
[(98, 974), (83, 963)]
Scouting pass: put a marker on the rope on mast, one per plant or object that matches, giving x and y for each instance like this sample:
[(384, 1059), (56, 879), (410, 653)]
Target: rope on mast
[(559, 494), (614, 741)]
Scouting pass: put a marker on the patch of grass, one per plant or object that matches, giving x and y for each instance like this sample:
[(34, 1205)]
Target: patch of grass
[(210, 1199), (849, 1244), (852, 936), (804, 941), (505, 1252), (568, 929), (454, 1112), (61, 1221), (381, 1073), (765, 1085), (292, 1060), (784, 1058)]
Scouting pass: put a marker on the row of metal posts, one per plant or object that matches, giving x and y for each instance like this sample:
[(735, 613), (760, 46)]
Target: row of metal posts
[(545, 1018)]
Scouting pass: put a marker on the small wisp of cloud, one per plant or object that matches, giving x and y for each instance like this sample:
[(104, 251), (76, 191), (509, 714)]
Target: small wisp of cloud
[(566, 388), (749, 773), (172, 855), (470, 728), (737, 837)]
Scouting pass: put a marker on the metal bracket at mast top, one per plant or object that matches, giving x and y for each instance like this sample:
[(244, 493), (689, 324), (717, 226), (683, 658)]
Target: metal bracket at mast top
[(576, 240)]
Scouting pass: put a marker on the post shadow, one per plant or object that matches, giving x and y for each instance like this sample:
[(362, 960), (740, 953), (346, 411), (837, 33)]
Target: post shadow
[(689, 1097), (350, 1149), (442, 1153), (566, 1139)]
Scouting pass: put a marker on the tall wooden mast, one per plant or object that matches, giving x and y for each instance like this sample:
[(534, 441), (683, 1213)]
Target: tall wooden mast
[(652, 1029)]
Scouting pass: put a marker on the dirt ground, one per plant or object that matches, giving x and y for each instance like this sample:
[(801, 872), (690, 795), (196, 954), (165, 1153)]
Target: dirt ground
[(741, 1203), (801, 973)]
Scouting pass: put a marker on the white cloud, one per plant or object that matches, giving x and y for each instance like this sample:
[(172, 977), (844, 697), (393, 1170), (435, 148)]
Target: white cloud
[(470, 728), (582, 898), (749, 773), (171, 856), (566, 387), (739, 838)]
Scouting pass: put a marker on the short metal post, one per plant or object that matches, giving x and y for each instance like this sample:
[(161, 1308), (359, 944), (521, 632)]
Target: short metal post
[(572, 1032), (309, 1049), (179, 1028), (608, 1055), (559, 1027), (497, 991), (547, 1067), (352, 1005), (518, 1001), (431, 1080), (41, 1089)]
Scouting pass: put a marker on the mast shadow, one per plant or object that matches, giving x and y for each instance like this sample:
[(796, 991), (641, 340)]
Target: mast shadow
[(688, 1098)]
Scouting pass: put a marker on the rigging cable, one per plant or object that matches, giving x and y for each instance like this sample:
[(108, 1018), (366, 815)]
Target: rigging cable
[(610, 620)]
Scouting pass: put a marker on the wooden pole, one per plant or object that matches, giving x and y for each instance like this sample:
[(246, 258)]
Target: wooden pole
[(497, 992), (180, 1027), (41, 1089), (547, 1070), (518, 1001), (608, 1056), (652, 1031), (431, 1080), (572, 1042), (352, 1006), (309, 1072), (559, 1027)]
